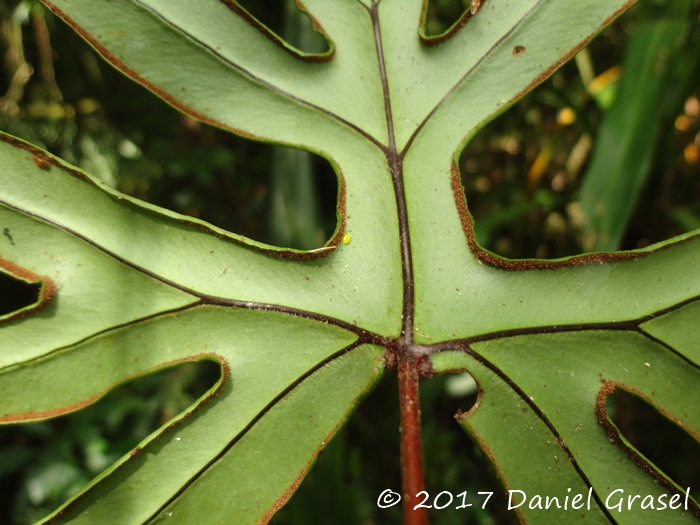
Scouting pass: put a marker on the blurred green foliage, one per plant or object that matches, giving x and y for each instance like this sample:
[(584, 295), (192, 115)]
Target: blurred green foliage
[(106, 124), (661, 70), (42, 464), (638, 420), (522, 175)]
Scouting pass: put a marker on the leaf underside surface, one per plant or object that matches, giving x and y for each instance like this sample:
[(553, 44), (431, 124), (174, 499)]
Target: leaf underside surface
[(301, 337)]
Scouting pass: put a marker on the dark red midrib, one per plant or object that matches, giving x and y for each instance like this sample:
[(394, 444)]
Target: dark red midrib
[(395, 165), (407, 354), (404, 346)]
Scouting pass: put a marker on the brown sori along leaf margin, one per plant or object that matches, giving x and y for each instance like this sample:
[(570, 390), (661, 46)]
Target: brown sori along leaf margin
[(46, 292), (320, 57), (411, 359), (211, 356), (533, 264), (614, 433), (45, 161), (459, 24)]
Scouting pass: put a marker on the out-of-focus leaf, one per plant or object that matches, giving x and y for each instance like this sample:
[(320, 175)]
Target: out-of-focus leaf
[(541, 200), (686, 218), (295, 217), (13, 458), (604, 87), (657, 64)]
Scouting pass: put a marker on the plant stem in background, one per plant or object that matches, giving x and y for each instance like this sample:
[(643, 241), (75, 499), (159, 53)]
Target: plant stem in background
[(43, 42), (295, 216), (11, 30)]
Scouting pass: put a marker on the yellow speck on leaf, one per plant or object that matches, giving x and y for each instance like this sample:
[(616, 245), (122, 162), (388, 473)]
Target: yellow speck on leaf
[(346, 238)]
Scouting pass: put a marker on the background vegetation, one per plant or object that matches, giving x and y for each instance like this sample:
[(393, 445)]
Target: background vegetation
[(526, 175)]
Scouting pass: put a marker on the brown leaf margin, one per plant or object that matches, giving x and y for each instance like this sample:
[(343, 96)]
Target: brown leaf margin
[(47, 291), (434, 40), (182, 416), (55, 412), (287, 494), (292, 50), (45, 161), (462, 419), (636, 456), (534, 264), (42, 157)]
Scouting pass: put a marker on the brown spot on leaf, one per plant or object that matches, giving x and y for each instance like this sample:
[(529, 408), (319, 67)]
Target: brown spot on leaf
[(425, 366), (43, 163), (518, 51), (545, 74)]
